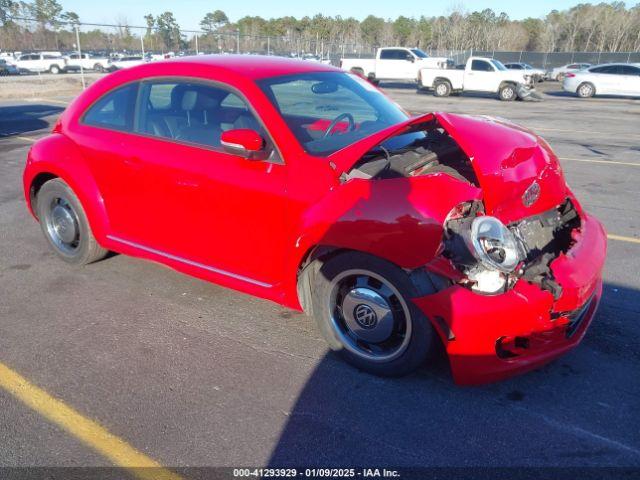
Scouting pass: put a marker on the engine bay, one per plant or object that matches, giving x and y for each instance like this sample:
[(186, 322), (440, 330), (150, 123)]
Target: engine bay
[(434, 152)]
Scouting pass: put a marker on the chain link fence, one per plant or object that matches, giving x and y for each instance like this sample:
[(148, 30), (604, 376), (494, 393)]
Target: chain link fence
[(116, 42)]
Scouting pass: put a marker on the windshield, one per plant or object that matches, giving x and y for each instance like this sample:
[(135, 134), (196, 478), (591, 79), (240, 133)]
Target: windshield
[(326, 111), (419, 53), (498, 64)]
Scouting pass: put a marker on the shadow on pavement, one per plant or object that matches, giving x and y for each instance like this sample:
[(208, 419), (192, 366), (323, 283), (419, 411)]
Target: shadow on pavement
[(20, 119), (579, 411)]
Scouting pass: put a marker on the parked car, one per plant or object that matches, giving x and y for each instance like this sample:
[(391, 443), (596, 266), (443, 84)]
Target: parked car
[(478, 74), (8, 57), (87, 62), (537, 74), (7, 68), (304, 184), (392, 63), (609, 79), (558, 73), (127, 62), (51, 62)]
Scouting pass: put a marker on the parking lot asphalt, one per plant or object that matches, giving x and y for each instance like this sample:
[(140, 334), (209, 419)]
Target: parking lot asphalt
[(192, 374)]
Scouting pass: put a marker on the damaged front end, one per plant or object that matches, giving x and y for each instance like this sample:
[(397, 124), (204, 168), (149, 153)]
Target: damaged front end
[(493, 256), (523, 261)]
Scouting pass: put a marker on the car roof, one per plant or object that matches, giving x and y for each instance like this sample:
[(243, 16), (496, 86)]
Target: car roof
[(255, 66), (612, 64)]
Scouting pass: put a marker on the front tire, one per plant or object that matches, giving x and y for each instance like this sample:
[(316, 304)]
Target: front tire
[(586, 90), (54, 69), (64, 224), (507, 93), (98, 68), (362, 307)]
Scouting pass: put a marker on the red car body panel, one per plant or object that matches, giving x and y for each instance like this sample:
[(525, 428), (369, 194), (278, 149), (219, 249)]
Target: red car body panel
[(474, 322), (250, 225)]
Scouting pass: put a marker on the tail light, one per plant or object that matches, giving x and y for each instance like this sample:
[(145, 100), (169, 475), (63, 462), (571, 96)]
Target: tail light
[(569, 75)]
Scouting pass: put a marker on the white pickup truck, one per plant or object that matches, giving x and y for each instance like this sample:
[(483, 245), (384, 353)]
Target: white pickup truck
[(479, 74), (87, 62), (392, 63)]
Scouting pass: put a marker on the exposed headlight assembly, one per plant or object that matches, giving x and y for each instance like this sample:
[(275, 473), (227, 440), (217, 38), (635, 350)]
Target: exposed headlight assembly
[(483, 248), (494, 245)]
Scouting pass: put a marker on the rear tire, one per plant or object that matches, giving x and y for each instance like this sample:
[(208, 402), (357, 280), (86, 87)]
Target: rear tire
[(65, 226), (507, 93), (441, 88), (586, 90), (362, 306), (55, 69), (98, 68)]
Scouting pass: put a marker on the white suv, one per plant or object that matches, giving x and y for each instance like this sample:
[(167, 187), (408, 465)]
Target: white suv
[(41, 62)]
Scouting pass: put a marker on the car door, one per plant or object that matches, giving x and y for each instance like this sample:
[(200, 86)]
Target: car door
[(605, 79), (195, 202), (631, 80), (104, 135), (394, 63), (481, 77), (28, 62)]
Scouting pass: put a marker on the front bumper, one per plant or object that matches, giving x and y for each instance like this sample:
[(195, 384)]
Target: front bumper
[(489, 338)]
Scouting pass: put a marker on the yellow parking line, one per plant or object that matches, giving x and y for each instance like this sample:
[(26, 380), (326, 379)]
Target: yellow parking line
[(87, 431), (623, 239), (609, 162)]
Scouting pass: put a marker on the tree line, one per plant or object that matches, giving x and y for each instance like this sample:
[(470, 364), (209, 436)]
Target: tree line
[(605, 27)]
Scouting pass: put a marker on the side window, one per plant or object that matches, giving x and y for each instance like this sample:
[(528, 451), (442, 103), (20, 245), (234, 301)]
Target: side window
[(114, 110), (393, 54), (630, 70), (610, 69), (192, 112), (573, 67), (481, 66)]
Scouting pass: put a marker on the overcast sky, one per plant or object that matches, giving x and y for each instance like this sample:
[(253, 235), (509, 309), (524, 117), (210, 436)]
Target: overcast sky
[(190, 12)]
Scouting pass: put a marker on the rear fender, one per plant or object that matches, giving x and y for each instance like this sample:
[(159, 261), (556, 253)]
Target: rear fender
[(58, 156)]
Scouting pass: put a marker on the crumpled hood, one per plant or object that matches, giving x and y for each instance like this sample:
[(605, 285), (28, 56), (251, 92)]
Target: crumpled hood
[(508, 160)]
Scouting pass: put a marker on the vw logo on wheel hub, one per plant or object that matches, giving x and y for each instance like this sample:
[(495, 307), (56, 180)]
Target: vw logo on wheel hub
[(365, 316)]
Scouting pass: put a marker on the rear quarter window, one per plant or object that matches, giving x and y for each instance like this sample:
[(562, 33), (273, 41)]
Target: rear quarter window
[(114, 110)]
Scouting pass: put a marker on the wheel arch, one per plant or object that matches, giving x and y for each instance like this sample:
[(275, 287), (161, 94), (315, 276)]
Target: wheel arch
[(442, 79), (56, 156), (504, 83), (424, 282)]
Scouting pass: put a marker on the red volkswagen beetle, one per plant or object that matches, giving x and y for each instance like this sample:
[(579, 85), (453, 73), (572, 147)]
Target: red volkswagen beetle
[(301, 183)]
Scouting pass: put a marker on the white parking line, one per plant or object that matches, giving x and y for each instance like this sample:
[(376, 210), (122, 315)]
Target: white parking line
[(592, 160), (582, 132)]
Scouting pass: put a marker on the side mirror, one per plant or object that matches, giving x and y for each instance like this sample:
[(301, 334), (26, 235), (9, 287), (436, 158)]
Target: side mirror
[(411, 58), (242, 141)]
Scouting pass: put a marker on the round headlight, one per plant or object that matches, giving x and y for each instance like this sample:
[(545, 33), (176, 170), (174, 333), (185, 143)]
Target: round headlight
[(494, 245)]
